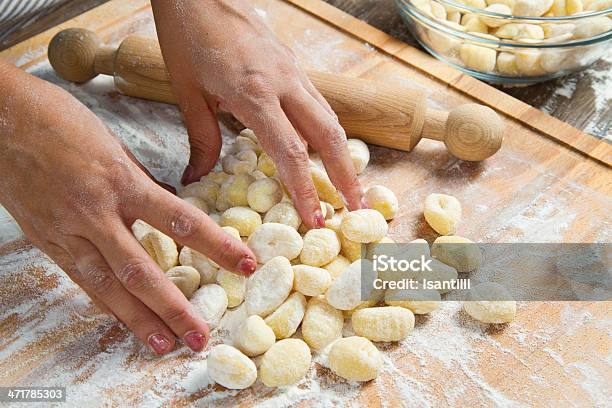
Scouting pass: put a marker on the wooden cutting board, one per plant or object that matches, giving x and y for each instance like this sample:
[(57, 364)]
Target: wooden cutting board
[(549, 183)]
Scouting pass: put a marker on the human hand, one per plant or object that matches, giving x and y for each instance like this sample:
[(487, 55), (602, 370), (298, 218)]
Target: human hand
[(75, 192), (222, 56)]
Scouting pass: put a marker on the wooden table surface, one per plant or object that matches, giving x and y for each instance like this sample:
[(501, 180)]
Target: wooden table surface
[(572, 99)]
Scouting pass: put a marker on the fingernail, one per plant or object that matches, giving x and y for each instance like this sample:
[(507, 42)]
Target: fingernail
[(319, 220), (159, 343), (187, 175), (247, 266), (195, 340)]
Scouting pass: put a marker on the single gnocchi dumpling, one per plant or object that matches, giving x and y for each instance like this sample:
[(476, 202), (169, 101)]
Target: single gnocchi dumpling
[(442, 213), (271, 239), (186, 278), (499, 9), (360, 154), (234, 286), (243, 219), (506, 64), (355, 359), (383, 200), (233, 192), (230, 368), (264, 194), (269, 286), (285, 363), (217, 177), (266, 165), (285, 320), (246, 143), (364, 226), (206, 268), (140, 229), (243, 162), (345, 292), (474, 24), (161, 248), (440, 277), (490, 302), (517, 31), (310, 280), (204, 189), (478, 57), (254, 337), (325, 188), (210, 302), (461, 253), (321, 246), (322, 323), (337, 267), (531, 8), (389, 323), (283, 213)]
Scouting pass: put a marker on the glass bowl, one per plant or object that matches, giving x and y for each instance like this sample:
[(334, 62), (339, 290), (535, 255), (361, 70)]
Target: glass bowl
[(525, 50)]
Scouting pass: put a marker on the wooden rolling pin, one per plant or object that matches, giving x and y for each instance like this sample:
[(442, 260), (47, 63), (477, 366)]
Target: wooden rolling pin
[(378, 113)]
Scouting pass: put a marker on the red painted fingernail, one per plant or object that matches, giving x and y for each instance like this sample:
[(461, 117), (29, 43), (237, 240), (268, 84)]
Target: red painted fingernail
[(319, 220), (195, 340), (247, 266), (187, 175), (159, 343)]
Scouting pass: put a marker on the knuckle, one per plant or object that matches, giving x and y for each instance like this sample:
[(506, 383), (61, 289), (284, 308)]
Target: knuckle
[(182, 223), (176, 314), (295, 153), (99, 279), (136, 275), (257, 86)]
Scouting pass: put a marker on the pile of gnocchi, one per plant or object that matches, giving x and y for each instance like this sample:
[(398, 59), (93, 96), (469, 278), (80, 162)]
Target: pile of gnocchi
[(306, 279), (515, 61)]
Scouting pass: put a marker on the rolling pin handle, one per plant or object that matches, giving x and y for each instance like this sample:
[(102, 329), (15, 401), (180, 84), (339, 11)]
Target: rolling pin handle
[(471, 132), (72, 54)]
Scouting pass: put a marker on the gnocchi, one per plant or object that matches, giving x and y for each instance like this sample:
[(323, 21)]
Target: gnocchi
[(360, 154), (383, 200), (310, 280), (355, 358), (364, 226), (419, 301), (320, 247), (210, 302), (243, 162), (205, 189), (206, 268), (243, 219), (285, 320), (161, 248), (233, 192), (325, 189), (322, 323), (283, 213), (269, 286), (234, 286), (481, 306), (389, 323), (186, 278), (460, 253), (230, 368), (254, 337), (271, 240), (285, 363), (442, 212), (198, 203), (264, 194)]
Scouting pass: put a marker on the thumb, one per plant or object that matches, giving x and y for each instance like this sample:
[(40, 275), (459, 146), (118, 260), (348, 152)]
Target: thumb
[(204, 137)]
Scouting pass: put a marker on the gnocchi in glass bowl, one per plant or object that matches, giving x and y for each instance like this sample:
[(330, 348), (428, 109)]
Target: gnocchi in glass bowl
[(512, 42)]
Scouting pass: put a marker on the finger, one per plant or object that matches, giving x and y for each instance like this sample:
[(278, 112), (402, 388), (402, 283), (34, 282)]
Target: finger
[(314, 92), (65, 262), (187, 225), (141, 277), (204, 135), (96, 274), (281, 141), (327, 137)]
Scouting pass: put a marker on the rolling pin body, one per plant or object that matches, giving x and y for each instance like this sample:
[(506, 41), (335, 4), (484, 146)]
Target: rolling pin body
[(376, 112)]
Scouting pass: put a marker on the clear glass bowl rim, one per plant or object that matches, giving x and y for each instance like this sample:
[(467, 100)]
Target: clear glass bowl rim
[(407, 6)]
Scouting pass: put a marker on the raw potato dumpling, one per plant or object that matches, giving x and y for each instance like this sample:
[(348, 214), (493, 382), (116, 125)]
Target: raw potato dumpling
[(269, 286), (230, 368), (490, 302), (210, 301), (254, 336), (360, 154), (285, 320), (285, 363), (461, 253), (442, 213), (186, 278), (383, 200), (355, 358)]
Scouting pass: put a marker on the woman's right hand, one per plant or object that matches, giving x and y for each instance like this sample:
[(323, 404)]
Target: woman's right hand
[(75, 191)]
